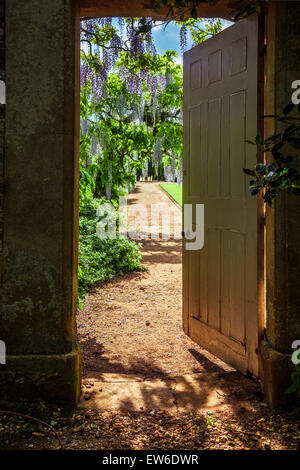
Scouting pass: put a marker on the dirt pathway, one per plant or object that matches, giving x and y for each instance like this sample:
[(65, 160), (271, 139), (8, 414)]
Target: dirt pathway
[(135, 354), (133, 324)]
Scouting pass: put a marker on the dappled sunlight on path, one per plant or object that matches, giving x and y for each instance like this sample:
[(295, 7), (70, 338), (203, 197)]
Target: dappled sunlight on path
[(135, 354)]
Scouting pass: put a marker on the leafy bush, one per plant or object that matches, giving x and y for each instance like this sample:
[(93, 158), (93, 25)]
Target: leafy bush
[(101, 259), (295, 386), (282, 174)]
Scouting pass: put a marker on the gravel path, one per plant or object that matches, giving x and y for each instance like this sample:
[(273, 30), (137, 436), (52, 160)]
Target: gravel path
[(133, 324)]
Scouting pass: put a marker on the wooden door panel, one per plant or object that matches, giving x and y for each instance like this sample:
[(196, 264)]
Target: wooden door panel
[(220, 113)]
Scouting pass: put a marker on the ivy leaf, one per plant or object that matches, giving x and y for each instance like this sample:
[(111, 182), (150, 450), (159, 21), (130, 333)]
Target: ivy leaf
[(288, 108), (144, 29), (272, 138), (258, 139), (292, 388), (255, 190), (270, 166), (249, 172), (261, 168)]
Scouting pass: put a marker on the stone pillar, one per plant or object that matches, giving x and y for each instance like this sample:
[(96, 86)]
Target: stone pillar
[(282, 221), (37, 320), (2, 123)]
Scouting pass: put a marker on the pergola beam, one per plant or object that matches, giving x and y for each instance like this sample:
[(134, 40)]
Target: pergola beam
[(143, 8)]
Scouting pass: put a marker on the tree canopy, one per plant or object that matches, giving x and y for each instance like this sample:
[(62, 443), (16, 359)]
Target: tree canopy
[(131, 103)]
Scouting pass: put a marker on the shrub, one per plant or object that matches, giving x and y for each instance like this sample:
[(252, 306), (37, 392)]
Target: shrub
[(282, 173), (101, 259)]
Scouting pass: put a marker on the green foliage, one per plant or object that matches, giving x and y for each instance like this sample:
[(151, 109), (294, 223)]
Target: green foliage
[(118, 133), (101, 259), (100, 36), (41, 408), (156, 64), (182, 9), (200, 29), (125, 143), (294, 388), (282, 173)]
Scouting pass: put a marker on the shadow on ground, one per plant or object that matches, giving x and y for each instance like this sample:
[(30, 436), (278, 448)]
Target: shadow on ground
[(143, 385), (154, 251)]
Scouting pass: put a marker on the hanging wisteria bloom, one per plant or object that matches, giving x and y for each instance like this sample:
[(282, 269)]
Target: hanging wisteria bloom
[(102, 46), (126, 105)]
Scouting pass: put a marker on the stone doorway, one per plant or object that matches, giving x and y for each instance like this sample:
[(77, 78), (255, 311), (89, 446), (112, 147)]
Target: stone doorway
[(40, 138)]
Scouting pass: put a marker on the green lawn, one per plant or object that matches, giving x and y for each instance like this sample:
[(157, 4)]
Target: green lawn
[(174, 190)]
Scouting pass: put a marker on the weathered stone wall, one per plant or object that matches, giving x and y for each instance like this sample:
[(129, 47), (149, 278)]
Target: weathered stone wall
[(38, 292), (2, 125), (283, 220)]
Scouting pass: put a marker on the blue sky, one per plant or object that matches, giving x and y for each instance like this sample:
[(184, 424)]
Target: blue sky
[(168, 38)]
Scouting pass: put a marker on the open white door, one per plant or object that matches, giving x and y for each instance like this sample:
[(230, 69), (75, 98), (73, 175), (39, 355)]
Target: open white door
[(220, 112)]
